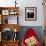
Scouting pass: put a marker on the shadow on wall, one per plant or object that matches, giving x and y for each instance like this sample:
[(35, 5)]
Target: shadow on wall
[(37, 29)]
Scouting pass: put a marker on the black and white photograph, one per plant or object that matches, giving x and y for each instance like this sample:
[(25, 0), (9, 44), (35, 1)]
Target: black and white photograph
[(30, 13)]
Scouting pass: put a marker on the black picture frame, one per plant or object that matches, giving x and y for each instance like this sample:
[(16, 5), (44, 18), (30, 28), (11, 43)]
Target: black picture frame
[(30, 13)]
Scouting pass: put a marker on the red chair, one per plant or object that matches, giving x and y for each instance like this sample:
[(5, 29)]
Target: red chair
[(29, 33)]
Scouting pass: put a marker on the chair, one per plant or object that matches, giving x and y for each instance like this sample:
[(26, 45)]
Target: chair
[(27, 37)]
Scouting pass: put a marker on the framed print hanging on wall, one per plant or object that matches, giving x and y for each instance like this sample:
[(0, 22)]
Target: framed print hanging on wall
[(30, 13)]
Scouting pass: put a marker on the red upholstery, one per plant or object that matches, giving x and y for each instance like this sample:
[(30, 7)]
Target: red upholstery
[(29, 33)]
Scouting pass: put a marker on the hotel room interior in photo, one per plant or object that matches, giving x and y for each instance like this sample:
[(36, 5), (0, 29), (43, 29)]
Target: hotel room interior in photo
[(23, 23)]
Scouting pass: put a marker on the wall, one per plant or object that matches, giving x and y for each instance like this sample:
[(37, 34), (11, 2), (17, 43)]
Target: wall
[(26, 3), (31, 3)]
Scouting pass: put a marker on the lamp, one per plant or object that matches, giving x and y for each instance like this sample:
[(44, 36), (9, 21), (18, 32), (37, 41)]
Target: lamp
[(15, 3), (15, 30)]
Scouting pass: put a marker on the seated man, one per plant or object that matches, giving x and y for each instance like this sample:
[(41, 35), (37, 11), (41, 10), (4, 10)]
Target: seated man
[(30, 38)]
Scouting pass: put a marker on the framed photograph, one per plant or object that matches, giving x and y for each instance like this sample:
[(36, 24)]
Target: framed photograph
[(5, 12), (30, 13)]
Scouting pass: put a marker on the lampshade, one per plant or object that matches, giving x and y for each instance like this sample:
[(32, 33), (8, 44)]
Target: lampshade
[(15, 30)]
